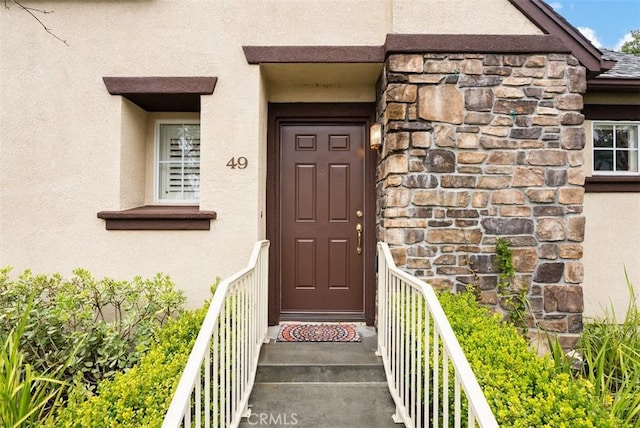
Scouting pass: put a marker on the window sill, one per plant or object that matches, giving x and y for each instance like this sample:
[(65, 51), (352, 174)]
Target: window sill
[(155, 217), (617, 183)]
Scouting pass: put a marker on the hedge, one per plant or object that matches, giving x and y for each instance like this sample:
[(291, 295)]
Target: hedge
[(523, 389), (140, 396), (83, 328)]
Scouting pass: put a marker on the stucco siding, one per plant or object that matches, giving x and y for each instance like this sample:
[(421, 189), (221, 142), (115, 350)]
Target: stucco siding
[(612, 241), (471, 17), (134, 151)]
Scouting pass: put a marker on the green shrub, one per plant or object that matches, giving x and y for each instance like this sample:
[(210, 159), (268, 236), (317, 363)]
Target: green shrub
[(522, 389), (610, 353), (26, 397), (94, 327), (140, 396)]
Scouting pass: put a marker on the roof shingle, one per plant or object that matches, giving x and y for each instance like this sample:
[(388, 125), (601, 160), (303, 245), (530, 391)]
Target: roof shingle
[(627, 66)]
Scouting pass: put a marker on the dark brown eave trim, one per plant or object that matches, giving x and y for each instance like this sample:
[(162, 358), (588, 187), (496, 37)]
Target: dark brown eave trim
[(313, 54), (543, 16), (406, 43), (151, 217), (473, 43), (601, 84), (607, 184), (160, 85), (162, 93), (611, 112)]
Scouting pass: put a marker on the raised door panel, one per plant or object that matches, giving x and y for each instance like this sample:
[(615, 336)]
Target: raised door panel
[(322, 187)]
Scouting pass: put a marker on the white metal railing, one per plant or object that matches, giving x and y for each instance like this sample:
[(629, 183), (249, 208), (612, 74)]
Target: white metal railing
[(424, 363), (216, 383)]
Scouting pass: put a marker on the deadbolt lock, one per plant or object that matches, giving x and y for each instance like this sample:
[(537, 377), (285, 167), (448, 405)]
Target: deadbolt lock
[(359, 214)]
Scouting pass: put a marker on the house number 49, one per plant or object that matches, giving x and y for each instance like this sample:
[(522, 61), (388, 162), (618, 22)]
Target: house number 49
[(240, 163)]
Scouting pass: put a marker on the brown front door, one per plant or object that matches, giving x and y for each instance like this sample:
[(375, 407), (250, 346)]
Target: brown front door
[(320, 187), (322, 205)]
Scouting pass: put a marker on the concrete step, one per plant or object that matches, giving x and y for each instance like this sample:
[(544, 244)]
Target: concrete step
[(320, 373), (321, 405), (321, 385), (322, 362)]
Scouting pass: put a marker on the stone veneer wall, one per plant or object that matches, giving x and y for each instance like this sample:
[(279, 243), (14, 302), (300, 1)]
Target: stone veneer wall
[(481, 146)]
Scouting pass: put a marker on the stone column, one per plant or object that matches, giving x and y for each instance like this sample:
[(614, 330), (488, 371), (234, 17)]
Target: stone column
[(478, 147)]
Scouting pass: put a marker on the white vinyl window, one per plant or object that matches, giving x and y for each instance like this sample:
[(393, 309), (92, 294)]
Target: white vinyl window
[(615, 148), (178, 161)]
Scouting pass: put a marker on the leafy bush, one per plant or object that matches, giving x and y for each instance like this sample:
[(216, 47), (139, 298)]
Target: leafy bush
[(94, 327), (140, 396), (26, 397), (610, 353), (522, 389)]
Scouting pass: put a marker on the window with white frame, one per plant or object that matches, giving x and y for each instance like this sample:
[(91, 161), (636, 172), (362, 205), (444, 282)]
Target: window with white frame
[(615, 148), (178, 161)]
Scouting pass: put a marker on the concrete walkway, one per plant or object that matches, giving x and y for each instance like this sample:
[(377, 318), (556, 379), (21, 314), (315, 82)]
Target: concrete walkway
[(323, 385)]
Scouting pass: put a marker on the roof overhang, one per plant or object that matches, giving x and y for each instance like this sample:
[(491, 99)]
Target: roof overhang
[(604, 84), (162, 93), (405, 43), (313, 54), (473, 43), (543, 16)]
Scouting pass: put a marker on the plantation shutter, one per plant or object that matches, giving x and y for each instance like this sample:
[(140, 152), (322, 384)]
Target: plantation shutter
[(179, 162)]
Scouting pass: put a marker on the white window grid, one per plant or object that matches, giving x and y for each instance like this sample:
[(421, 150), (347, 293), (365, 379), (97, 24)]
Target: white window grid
[(631, 151)]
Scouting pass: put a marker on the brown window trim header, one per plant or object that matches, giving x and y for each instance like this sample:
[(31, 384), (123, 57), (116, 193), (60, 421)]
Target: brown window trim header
[(611, 112), (406, 43), (162, 93), (619, 183), (159, 217)]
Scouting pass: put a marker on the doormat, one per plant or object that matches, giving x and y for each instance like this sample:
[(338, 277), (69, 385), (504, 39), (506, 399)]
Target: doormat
[(318, 333)]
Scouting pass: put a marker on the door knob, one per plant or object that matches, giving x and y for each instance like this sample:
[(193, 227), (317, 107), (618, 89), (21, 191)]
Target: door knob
[(359, 234)]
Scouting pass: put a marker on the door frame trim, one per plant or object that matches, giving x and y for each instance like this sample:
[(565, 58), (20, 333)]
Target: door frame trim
[(278, 113)]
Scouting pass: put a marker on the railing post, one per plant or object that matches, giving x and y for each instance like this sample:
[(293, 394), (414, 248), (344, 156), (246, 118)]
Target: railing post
[(381, 296), (413, 332), (228, 346)]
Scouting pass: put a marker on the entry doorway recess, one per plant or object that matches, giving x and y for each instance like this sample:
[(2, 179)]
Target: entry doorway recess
[(321, 212)]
